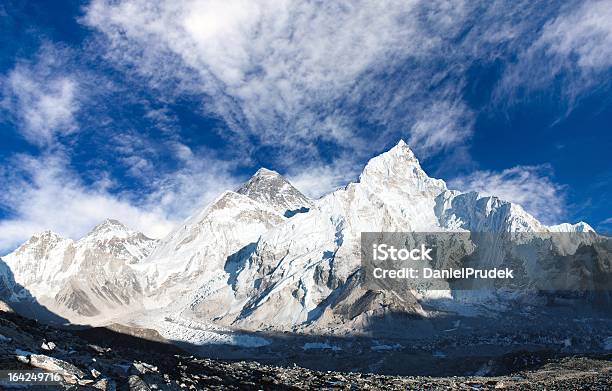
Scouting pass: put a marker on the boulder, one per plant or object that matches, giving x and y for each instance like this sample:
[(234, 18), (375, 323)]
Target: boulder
[(69, 372)]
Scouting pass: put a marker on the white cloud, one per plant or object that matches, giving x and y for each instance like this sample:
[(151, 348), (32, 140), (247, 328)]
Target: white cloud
[(529, 186), (318, 179), (169, 179), (606, 221), (574, 48), (441, 125), (584, 33), (291, 73), (51, 196), (44, 193), (193, 185), (42, 102), (290, 76)]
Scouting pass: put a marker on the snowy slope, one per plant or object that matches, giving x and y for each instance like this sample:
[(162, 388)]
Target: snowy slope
[(10, 291), (194, 254), (85, 278)]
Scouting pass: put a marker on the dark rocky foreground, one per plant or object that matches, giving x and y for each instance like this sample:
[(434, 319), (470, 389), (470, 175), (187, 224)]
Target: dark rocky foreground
[(109, 359)]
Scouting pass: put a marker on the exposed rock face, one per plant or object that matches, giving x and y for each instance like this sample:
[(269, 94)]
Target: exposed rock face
[(9, 290), (69, 372), (270, 188)]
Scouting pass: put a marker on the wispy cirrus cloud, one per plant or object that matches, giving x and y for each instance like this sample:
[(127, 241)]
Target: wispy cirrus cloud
[(573, 49), (41, 98), (315, 87), (583, 35), (441, 125), (43, 193), (532, 187), (289, 74)]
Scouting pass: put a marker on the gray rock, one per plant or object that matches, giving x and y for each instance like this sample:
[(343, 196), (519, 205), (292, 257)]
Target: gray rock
[(69, 372), (135, 383), (105, 385), (48, 346)]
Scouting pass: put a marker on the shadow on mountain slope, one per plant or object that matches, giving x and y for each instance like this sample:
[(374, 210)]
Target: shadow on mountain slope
[(447, 345), (21, 301)]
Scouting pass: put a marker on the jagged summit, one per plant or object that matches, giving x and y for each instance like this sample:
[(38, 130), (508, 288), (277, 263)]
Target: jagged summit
[(227, 199), (110, 224), (263, 180), (580, 226), (272, 189), (399, 155), (47, 234), (88, 277), (266, 172), (109, 229), (399, 168), (42, 242), (401, 148)]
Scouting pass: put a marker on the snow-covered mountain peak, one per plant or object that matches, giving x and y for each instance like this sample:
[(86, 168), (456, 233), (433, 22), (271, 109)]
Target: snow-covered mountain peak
[(248, 260), (227, 200), (89, 277), (47, 235), (111, 230), (400, 169), (109, 226), (272, 189), (117, 241), (567, 227), (402, 149), (263, 172), (42, 242), (229, 209), (396, 160)]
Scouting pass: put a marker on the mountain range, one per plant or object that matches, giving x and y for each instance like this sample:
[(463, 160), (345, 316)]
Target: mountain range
[(262, 257)]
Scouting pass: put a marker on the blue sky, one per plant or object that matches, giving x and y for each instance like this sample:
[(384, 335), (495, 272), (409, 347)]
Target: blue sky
[(146, 111)]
